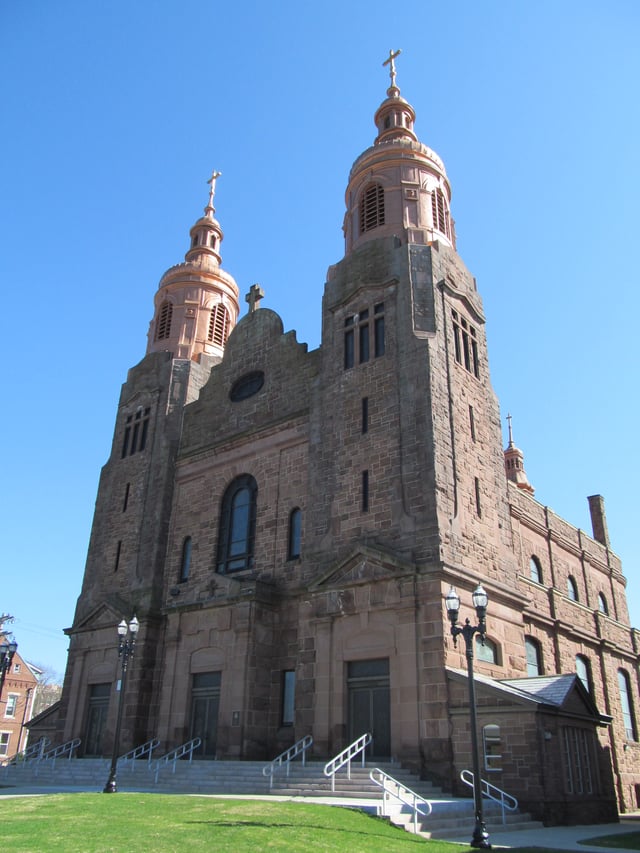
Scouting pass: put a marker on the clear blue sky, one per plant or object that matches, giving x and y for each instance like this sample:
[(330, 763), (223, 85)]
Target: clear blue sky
[(114, 115)]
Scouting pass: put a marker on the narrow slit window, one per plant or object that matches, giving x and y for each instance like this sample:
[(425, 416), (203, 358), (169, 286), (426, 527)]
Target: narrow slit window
[(477, 493), (472, 424), (365, 415), (116, 564), (125, 502), (295, 534), (365, 491)]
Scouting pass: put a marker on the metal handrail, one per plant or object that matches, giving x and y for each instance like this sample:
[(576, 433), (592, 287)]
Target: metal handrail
[(69, 747), (144, 749), (285, 758), (344, 757), (31, 753), (174, 755), (492, 792), (401, 793)]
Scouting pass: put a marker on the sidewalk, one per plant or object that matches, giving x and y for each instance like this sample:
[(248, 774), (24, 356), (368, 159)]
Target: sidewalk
[(560, 837)]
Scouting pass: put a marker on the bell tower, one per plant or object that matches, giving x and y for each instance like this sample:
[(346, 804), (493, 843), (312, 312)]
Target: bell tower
[(196, 307)]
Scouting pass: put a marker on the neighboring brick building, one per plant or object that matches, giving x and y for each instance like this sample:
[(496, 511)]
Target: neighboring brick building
[(16, 706), (285, 525)]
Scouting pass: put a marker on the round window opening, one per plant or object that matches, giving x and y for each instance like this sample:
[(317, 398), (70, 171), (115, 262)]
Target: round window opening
[(247, 386)]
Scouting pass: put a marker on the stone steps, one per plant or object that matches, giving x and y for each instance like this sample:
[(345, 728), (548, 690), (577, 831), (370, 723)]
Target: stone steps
[(450, 816)]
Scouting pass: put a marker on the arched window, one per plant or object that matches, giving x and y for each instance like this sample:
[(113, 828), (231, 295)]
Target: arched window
[(603, 607), (440, 213), (628, 717), (487, 652), (535, 569), (218, 325), (163, 323), (572, 588), (295, 534), (237, 525), (185, 562), (371, 208), (583, 671), (534, 657)]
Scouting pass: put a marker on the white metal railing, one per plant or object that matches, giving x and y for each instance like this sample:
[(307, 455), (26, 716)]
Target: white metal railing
[(391, 788), (67, 749), (345, 757), (285, 758), (187, 748), (492, 792), (144, 749), (31, 753)]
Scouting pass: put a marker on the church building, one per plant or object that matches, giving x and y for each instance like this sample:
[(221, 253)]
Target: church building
[(285, 524)]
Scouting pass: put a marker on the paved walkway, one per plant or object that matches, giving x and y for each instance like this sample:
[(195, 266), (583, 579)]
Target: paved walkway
[(558, 837)]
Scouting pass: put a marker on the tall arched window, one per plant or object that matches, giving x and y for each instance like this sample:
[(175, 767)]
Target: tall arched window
[(534, 657), (185, 562), (583, 671), (295, 534), (163, 323), (628, 717), (237, 525), (603, 607), (440, 213), (535, 569), (218, 325), (371, 208), (572, 588)]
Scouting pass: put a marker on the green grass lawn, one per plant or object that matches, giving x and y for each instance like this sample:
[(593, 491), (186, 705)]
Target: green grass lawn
[(624, 841), (128, 823), (137, 823)]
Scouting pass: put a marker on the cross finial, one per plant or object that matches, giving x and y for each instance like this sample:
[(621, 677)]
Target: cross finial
[(256, 293), (212, 185), (510, 430), (391, 62)]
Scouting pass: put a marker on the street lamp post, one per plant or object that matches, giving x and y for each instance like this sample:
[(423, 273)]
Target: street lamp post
[(8, 648), (452, 601), (127, 642)]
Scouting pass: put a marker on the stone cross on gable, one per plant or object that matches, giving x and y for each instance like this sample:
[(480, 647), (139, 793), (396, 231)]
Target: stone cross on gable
[(256, 293), (391, 62)]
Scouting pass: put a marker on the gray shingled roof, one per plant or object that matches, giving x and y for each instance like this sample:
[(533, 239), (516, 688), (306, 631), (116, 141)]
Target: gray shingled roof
[(550, 689)]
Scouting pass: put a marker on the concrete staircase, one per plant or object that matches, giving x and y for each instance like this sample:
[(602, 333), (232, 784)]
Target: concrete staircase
[(450, 816)]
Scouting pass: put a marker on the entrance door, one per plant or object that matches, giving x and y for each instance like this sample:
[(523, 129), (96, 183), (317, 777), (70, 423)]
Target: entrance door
[(96, 718), (205, 701), (369, 704)]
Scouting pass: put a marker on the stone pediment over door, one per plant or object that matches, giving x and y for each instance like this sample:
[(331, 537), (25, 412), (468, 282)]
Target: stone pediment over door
[(108, 614), (364, 565)]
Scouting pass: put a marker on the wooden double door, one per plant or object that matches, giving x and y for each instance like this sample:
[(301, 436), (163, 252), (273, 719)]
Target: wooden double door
[(369, 704)]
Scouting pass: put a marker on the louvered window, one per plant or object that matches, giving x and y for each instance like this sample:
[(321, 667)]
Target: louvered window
[(163, 324), (440, 213), (371, 208), (219, 325)]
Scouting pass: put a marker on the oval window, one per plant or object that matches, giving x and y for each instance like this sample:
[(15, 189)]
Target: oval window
[(247, 386)]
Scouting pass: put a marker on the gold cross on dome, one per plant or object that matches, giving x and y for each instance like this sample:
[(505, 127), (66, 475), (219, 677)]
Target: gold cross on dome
[(391, 62), (212, 181), (256, 293)]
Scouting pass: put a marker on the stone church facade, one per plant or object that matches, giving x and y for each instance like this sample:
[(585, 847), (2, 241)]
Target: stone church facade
[(286, 523)]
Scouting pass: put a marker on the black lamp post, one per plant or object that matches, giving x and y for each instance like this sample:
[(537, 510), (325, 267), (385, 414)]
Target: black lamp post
[(127, 642), (7, 651), (452, 602)]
